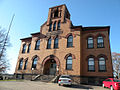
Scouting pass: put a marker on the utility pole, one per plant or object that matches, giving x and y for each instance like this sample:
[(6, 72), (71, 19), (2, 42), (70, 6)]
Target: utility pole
[(6, 37)]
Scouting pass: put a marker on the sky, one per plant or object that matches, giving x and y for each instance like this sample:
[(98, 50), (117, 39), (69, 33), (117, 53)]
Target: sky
[(31, 14)]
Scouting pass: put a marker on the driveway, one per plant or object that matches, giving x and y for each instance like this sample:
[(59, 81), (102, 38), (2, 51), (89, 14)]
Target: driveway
[(32, 85)]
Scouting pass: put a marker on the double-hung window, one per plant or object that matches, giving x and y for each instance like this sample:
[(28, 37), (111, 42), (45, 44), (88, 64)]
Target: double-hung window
[(37, 45), (91, 64), (56, 42), (102, 64), (24, 48), (69, 63), (54, 26), (49, 43), (70, 41), (20, 64), (34, 64), (90, 42), (100, 42)]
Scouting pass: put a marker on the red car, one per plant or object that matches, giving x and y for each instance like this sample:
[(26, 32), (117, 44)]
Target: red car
[(113, 84)]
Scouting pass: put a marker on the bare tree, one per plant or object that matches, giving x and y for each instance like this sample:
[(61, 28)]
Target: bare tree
[(4, 43), (116, 63)]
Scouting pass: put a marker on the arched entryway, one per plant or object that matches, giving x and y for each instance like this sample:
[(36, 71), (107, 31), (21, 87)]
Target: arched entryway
[(51, 65)]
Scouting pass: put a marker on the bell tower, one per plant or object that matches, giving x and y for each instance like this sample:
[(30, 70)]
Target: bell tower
[(58, 12)]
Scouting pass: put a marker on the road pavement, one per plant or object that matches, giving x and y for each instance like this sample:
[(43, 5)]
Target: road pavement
[(37, 85)]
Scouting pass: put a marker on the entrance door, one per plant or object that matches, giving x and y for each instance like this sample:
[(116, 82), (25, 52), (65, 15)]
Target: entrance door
[(52, 68)]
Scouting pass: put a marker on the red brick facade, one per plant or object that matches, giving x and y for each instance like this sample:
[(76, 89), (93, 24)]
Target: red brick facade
[(77, 48)]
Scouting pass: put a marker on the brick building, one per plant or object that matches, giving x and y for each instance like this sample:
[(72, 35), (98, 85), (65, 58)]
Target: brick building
[(62, 48)]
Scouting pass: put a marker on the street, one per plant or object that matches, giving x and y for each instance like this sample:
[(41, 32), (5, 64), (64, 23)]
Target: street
[(32, 85)]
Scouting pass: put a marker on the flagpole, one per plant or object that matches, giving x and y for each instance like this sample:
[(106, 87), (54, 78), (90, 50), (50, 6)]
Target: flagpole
[(6, 37)]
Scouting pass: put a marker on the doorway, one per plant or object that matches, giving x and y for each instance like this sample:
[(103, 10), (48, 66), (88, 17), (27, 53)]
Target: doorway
[(50, 67)]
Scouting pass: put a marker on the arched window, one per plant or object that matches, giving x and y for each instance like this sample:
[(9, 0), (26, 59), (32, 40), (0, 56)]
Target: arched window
[(20, 64), (29, 46), (91, 64), (37, 45), (25, 64), (90, 42), (70, 41), (50, 27), (100, 42), (58, 26), (49, 43), (54, 26), (24, 48), (34, 64), (56, 42), (69, 63), (102, 64)]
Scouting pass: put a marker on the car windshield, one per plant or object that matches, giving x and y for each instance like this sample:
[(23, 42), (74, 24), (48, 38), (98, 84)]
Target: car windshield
[(116, 80), (65, 77)]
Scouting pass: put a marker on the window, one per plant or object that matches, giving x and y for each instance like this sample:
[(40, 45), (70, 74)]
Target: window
[(91, 64), (25, 64), (49, 43), (50, 27), (90, 42), (100, 42), (56, 42), (70, 41), (56, 13), (58, 26), (109, 80), (34, 64), (102, 64), (54, 26), (37, 45), (24, 48), (20, 64), (69, 63), (29, 46)]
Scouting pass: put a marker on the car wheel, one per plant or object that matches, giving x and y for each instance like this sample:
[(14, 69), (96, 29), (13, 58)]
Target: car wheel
[(111, 88), (103, 85), (59, 84)]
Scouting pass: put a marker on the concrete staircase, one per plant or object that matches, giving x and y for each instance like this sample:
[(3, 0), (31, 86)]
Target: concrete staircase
[(46, 78)]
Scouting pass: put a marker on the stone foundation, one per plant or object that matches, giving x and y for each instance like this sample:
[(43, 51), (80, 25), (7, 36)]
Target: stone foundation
[(88, 80), (25, 76), (92, 80), (75, 79)]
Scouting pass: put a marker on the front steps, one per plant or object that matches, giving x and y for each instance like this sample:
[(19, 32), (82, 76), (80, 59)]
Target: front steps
[(46, 78)]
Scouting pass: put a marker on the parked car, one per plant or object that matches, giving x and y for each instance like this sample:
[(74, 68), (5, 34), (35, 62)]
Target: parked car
[(65, 80), (113, 84)]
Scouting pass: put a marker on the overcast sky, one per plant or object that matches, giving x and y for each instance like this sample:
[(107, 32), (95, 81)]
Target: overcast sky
[(31, 14)]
